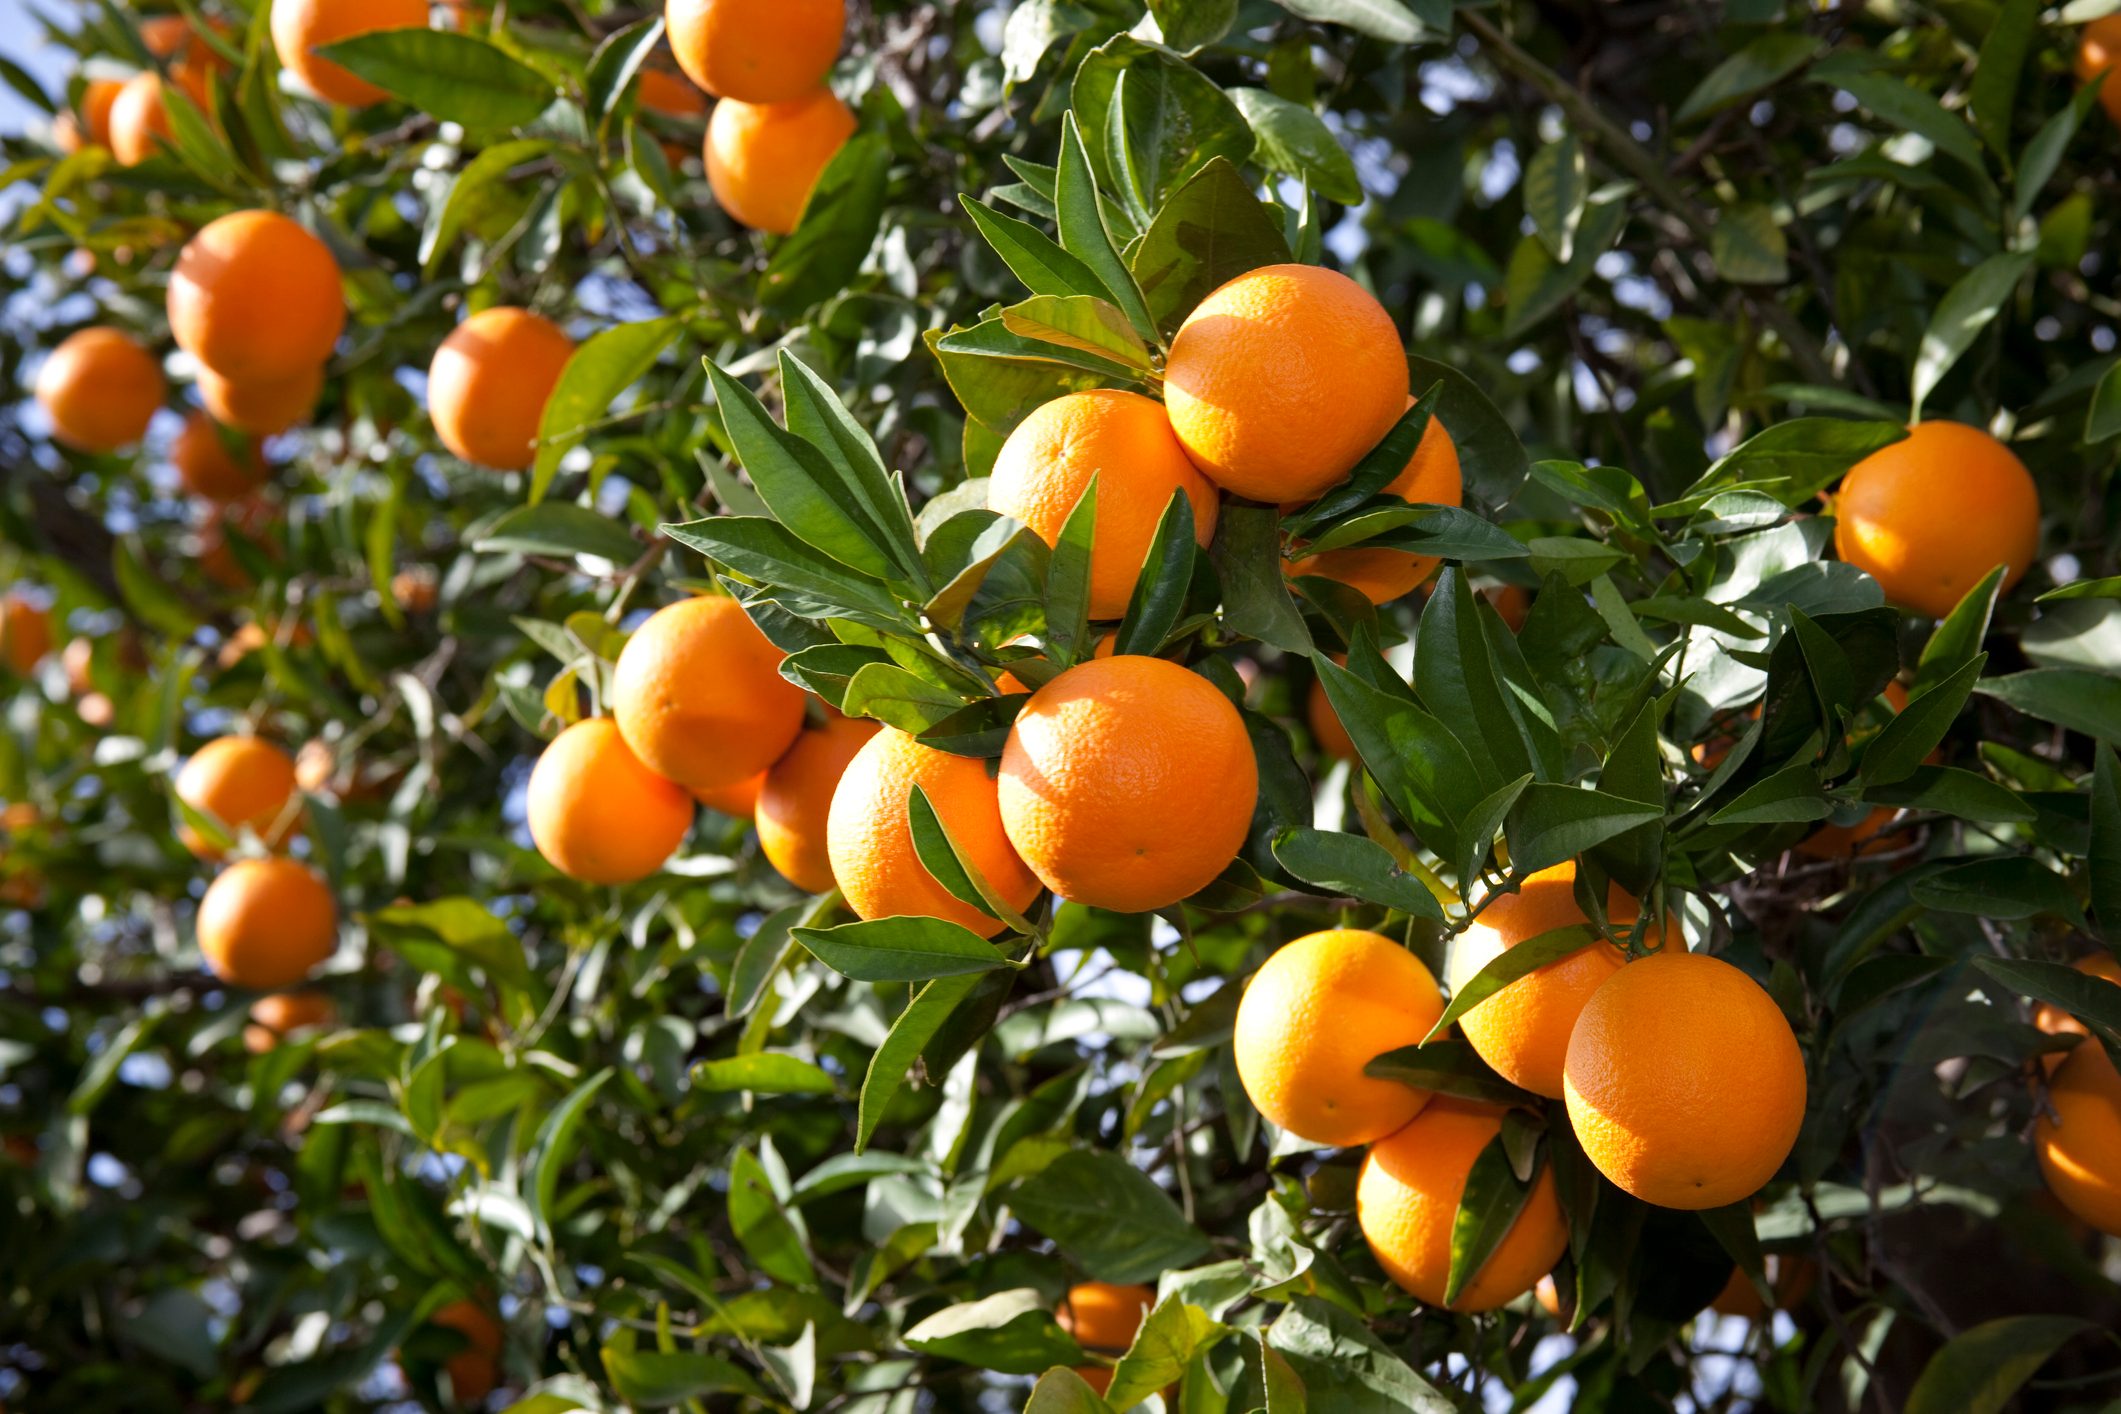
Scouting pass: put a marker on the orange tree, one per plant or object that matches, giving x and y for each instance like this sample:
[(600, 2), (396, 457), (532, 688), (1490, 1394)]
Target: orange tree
[(1354, 705)]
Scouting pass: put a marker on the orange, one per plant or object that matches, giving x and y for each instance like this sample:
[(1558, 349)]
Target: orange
[(1326, 726), (869, 835), (665, 92), (1523, 1030), (1125, 441), (100, 388), (1105, 1317), (756, 51), (1321, 1009), (1684, 1083), (699, 696), (740, 800), (255, 296), (489, 382), (475, 1368), (763, 159), (97, 96), (1280, 381), (206, 466), (1431, 478), (1512, 603), (1406, 1201), (1930, 515), (139, 115), (797, 799), (2080, 1146), (1790, 1279), (598, 814), (2098, 50), (25, 634), (78, 658), (1128, 783), (262, 407), (176, 38), (301, 27), (2057, 1022), (274, 1018), (266, 923), (242, 782)]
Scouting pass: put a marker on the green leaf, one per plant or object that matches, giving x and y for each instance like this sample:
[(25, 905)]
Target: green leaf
[(905, 949), (1448, 1066), (1487, 1210), (899, 698), (1188, 25), (2105, 858), (1915, 732), (1764, 62), (1553, 823), (1034, 257), (1490, 457), (1012, 1332), (1108, 1217), (1511, 963), (606, 365), (447, 74), (760, 549), (816, 414), (1981, 1369), (1966, 309), (1413, 757), (2043, 154), (1344, 1368), (1995, 88), (993, 339), (465, 926), (2069, 697), (1247, 558), (771, 1235), (837, 227), (1534, 284), (1085, 323), (1791, 794), (1170, 1338), (1947, 790), (2107, 588), (1804, 454), (613, 65), (1159, 118), (942, 857), (2102, 419), (1388, 20), (1957, 639), (1355, 866), (656, 1379), (1557, 185), (2003, 888), (1909, 108), (1207, 233), (1082, 228), (557, 528), (102, 1072), (1062, 1391), (763, 1073), (553, 1147), (1748, 247), (1159, 596), (1294, 141), (470, 186)]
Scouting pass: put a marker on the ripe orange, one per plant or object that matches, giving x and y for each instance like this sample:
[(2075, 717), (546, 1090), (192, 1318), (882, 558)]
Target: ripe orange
[(699, 695), (266, 923), (1406, 1201), (763, 159), (139, 115), (1104, 1317), (1512, 603), (1930, 515), (476, 1368), (176, 38), (254, 296), (1432, 477), (797, 800), (1125, 441), (1523, 1030), (869, 837), (756, 53), (489, 382), (1280, 380), (1128, 783), (263, 407), (1684, 1083), (301, 27), (25, 634), (1321, 1009), (2080, 1146), (274, 1018), (1326, 727), (665, 92), (2099, 50), (206, 466), (598, 814), (242, 782), (100, 388), (740, 800), (97, 96)]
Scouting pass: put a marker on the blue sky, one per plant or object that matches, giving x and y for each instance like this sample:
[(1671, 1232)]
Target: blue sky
[(19, 35)]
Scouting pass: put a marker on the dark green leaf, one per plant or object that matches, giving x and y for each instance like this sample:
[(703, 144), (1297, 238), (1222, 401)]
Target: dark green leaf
[(1012, 1332), (2069, 697), (1109, 1217), (1209, 231), (1553, 823), (557, 528), (606, 365), (1296, 142), (1982, 1369), (916, 1026), (1357, 867), (906, 949), (837, 227), (1487, 1210), (453, 76)]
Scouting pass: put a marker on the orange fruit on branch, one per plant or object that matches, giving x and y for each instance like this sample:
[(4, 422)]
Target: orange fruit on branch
[(1684, 1082), (263, 407), (599, 815), (2079, 1145), (243, 782), (796, 800), (1125, 442), (1930, 515), (1318, 1011), (275, 1018), (206, 465), (763, 159), (475, 1368), (1128, 783), (489, 382), (267, 923), (25, 634), (740, 800), (1280, 380), (756, 51), (699, 696), (100, 388), (1432, 478), (2099, 52), (254, 296), (301, 27)]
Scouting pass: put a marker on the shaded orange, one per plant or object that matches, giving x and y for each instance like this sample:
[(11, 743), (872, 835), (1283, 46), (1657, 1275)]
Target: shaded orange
[(1930, 515), (699, 696), (1790, 1280), (1684, 1082), (2079, 1147), (797, 800), (475, 1369), (763, 159), (1326, 726), (100, 388), (665, 92), (1280, 381), (254, 296), (1318, 1011), (1406, 1201), (206, 466), (275, 1018), (869, 835), (263, 407), (597, 814), (25, 634), (97, 96), (267, 923), (2099, 51), (1128, 783), (489, 382), (1104, 1317), (1432, 477), (740, 800), (301, 27), (242, 782), (1124, 441), (1512, 603), (753, 52)]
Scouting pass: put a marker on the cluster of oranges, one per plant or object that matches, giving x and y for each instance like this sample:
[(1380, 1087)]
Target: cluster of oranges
[(129, 116), (1681, 1079), (2078, 1137)]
